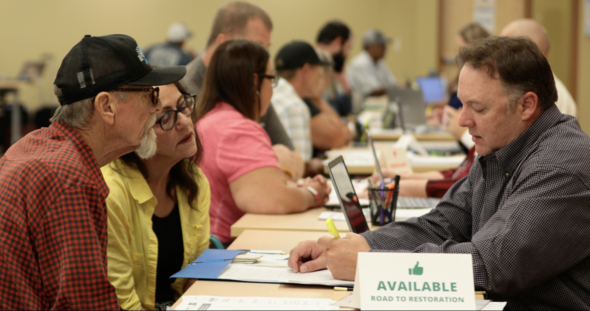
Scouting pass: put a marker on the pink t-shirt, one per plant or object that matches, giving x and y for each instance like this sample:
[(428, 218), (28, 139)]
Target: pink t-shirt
[(232, 146)]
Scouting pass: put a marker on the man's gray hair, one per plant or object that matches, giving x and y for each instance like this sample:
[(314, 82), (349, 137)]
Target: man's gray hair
[(77, 114)]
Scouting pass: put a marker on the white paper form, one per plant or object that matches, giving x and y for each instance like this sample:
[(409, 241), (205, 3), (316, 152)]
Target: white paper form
[(268, 260), (254, 273), (253, 303), (345, 302)]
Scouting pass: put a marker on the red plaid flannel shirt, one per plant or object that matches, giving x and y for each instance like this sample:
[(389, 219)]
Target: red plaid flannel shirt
[(53, 224), (438, 188)]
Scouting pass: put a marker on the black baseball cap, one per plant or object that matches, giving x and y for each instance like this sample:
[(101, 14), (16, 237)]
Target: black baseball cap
[(296, 54), (99, 64)]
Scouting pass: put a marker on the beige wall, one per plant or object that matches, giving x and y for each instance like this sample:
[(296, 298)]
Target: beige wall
[(30, 28), (555, 16), (458, 13), (583, 73)]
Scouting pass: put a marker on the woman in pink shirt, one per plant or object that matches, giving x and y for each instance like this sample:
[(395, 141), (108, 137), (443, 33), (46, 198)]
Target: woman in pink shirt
[(238, 158)]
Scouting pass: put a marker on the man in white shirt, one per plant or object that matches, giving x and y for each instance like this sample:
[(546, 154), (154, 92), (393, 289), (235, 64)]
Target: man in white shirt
[(538, 34), (367, 73), (298, 65)]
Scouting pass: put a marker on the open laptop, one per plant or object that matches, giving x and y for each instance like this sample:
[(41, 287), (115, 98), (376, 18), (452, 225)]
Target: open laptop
[(412, 114), (411, 107), (432, 89), (349, 201), (402, 202)]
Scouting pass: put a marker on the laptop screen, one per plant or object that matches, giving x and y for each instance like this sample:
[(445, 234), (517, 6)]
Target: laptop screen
[(349, 201), (432, 89)]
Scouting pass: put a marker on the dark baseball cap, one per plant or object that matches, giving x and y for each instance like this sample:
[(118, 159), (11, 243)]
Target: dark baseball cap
[(99, 64), (296, 54)]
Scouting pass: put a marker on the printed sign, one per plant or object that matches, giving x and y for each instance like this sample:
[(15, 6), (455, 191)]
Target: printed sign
[(395, 159), (409, 281)]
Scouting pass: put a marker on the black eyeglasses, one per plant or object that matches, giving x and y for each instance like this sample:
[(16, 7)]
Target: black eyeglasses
[(274, 80), (168, 120), (155, 92)]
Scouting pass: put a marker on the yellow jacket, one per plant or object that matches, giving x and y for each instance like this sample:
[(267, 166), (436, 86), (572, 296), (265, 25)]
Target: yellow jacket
[(132, 250)]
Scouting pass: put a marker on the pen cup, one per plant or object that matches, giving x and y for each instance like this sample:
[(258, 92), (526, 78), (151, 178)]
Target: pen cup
[(382, 204)]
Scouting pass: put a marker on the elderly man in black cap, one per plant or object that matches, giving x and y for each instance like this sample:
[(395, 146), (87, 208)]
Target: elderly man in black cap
[(367, 73), (53, 224)]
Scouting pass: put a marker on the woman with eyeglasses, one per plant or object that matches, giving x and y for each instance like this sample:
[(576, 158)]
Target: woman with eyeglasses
[(238, 158), (158, 209)]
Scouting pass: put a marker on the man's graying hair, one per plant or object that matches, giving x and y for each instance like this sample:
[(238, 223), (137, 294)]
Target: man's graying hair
[(78, 114), (233, 18), (517, 62)]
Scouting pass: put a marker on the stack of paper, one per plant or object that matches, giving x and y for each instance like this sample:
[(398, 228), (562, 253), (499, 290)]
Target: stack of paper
[(253, 303), (247, 258), (215, 264)]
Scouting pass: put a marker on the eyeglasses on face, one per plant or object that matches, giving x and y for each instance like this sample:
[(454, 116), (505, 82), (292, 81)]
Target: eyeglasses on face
[(155, 92), (168, 120), (274, 80)]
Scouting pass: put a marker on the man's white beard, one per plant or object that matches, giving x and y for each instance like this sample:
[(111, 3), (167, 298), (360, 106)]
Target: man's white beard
[(148, 147)]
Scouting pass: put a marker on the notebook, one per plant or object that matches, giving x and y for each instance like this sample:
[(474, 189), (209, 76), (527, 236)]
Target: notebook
[(349, 201)]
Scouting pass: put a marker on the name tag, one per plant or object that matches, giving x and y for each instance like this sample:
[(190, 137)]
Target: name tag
[(395, 159), (409, 281)]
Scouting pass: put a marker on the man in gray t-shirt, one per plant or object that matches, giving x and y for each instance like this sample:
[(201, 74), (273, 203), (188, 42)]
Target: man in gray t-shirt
[(242, 20)]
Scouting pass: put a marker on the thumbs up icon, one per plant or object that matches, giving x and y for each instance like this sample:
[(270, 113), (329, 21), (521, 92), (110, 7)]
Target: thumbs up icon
[(416, 270)]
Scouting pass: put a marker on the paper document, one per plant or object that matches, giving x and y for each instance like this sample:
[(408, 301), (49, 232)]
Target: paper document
[(494, 305), (253, 303), (279, 274), (345, 302), (362, 157)]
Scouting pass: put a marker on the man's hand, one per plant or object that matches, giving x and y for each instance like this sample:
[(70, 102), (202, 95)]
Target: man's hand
[(341, 254), (307, 256)]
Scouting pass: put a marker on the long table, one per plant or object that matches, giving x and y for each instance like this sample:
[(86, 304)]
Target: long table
[(261, 239), (365, 164), (278, 240), (394, 134), (304, 221)]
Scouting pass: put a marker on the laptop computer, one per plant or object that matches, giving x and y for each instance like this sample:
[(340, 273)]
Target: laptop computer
[(411, 107), (402, 202), (349, 201), (432, 89)]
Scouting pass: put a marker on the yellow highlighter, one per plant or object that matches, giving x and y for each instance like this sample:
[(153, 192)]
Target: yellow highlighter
[(332, 228)]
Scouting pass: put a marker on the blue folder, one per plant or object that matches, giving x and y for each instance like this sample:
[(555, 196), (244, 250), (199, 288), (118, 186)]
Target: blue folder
[(209, 265)]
